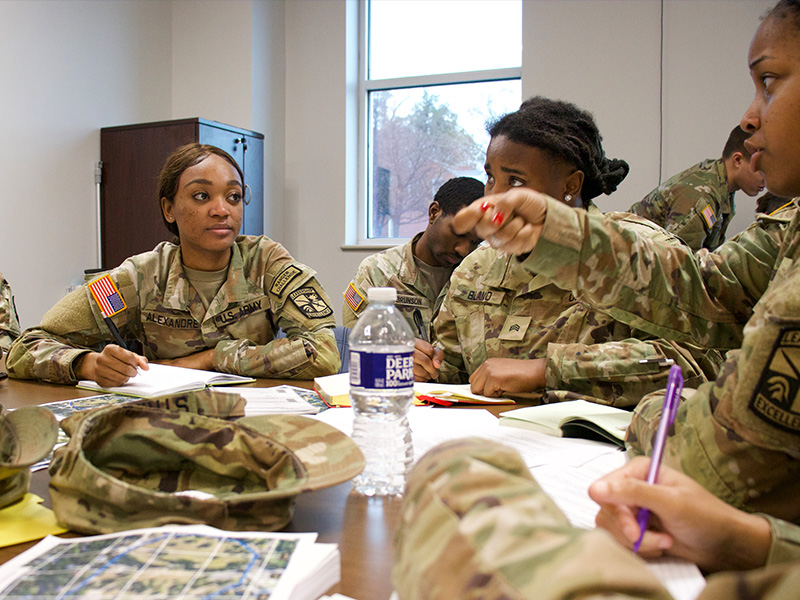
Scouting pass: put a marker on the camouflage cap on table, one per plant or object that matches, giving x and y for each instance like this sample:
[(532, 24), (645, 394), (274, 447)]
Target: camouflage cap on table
[(130, 466), (27, 435)]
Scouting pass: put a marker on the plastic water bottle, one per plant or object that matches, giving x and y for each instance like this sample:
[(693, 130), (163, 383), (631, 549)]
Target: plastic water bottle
[(381, 392)]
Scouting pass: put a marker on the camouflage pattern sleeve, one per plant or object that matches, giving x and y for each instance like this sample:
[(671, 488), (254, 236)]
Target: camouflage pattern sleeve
[(9, 322), (446, 335), (675, 209), (667, 291), (475, 525), (621, 372), (692, 224), (694, 204), (785, 544), (740, 435), (302, 310), (73, 327)]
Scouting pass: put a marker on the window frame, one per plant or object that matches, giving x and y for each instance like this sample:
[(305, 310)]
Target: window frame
[(367, 86)]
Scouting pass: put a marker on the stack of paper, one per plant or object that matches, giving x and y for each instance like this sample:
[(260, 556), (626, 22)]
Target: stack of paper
[(176, 561), (282, 399)]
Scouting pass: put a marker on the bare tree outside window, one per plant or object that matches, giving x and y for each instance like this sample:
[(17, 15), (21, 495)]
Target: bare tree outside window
[(416, 148), (429, 100)]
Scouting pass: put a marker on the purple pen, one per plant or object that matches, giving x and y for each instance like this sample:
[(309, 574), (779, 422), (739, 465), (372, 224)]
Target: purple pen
[(671, 400)]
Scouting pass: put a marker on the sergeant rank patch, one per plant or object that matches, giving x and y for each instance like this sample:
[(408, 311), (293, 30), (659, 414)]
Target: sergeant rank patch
[(310, 303), (777, 397)]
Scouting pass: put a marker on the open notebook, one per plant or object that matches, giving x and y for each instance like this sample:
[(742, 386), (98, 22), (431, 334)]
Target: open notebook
[(160, 380), (574, 418)]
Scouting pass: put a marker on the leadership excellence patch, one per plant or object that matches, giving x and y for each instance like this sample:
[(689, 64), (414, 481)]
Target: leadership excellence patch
[(310, 303), (777, 396), (708, 216), (284, 278), (353, 297)]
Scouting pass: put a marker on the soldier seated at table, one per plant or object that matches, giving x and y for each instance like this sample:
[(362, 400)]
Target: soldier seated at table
[(420, 269), (213, 300), (506, 330)]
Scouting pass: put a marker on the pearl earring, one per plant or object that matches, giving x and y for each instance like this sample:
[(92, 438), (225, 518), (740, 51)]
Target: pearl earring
[(567, 198)]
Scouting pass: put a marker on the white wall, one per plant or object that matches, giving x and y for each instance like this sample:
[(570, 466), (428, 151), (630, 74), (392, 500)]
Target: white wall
[(228, 65), (707, 85), (280, 67), (603, 55), (67, 69)]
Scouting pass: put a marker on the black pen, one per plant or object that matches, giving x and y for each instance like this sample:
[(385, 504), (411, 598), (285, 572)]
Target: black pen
[(420, 325)]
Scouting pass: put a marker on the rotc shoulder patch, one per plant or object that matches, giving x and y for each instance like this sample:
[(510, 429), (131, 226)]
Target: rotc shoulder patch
[(708, 216), (777, 397), (283, 279), (310, 303), (353, 297)]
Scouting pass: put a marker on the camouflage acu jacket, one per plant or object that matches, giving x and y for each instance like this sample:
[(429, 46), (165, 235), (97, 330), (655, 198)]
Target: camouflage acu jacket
[(476, 525), (395, 268), (9, 323), (740, 435), (694, 205), (266, 289), (496, 308)]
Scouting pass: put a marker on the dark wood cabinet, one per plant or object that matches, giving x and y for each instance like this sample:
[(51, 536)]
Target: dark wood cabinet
[(132, 157)]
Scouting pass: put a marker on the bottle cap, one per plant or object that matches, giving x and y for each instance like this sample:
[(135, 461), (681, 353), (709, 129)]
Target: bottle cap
[(382, 294)]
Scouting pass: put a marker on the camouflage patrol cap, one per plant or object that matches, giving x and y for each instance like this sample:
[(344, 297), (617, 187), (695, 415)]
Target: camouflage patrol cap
[(27, 435), (130, 466)]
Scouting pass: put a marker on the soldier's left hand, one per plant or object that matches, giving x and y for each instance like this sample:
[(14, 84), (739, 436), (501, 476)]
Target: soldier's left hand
[(498, 375)]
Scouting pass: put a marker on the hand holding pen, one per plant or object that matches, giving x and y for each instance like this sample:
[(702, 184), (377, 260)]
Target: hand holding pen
[(692, 523), (115, 364), (427, 358), (671, 400)]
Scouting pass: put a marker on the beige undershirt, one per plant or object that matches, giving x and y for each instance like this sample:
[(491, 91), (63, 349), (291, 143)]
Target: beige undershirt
[(437, 277), (207, 283)]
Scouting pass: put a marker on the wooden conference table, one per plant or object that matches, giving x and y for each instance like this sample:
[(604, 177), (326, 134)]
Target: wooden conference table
[(362, 527)]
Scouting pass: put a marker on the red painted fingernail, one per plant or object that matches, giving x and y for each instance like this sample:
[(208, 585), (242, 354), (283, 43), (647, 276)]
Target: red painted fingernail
[(498, 218), (485, 206)]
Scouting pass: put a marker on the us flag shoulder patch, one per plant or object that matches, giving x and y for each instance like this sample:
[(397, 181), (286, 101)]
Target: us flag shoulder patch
[(776, 399), (708, 216), (353, 297), (107, 296)]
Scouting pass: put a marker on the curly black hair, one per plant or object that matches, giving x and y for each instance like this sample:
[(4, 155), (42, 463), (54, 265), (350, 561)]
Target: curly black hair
[(457, 193), (567, 133)]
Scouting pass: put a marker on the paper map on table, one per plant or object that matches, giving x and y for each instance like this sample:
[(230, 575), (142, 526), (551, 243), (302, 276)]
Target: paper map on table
[(176, 562)]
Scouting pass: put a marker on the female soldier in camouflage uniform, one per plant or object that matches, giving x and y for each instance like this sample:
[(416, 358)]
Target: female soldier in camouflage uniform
[(506, 330), (215, 300)]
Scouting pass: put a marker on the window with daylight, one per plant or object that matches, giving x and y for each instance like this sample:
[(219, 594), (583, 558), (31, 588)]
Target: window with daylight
[(434, 74)]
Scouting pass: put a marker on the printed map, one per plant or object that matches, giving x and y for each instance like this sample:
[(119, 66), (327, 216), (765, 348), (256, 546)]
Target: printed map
[(156, 564)]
